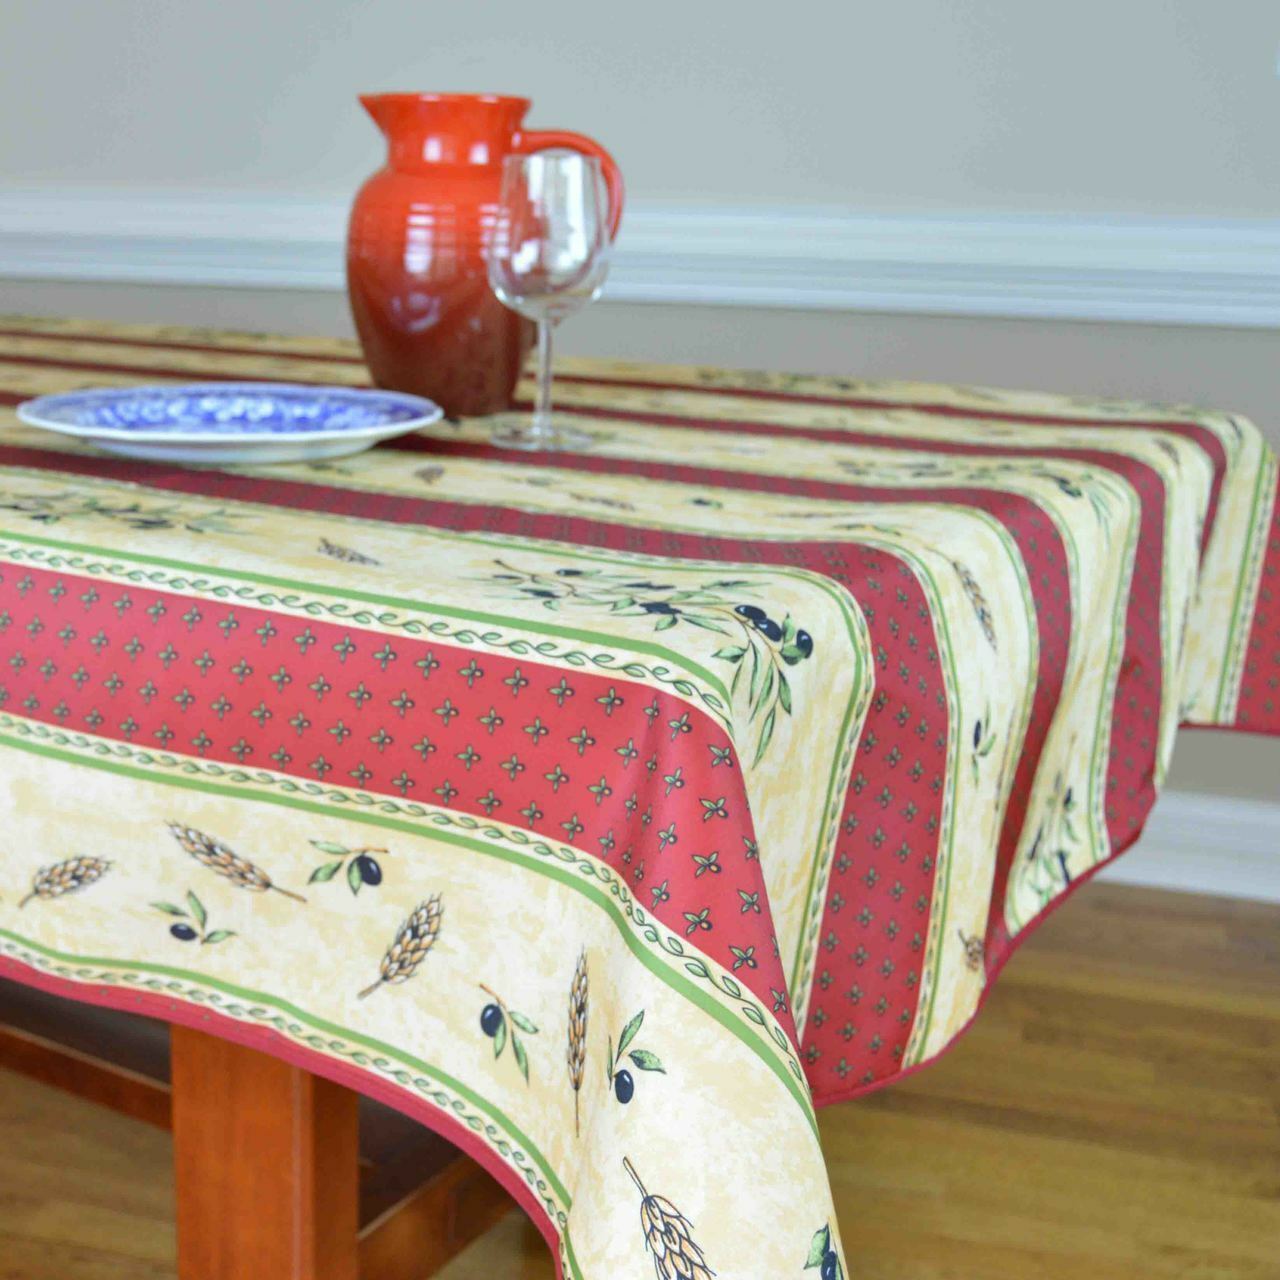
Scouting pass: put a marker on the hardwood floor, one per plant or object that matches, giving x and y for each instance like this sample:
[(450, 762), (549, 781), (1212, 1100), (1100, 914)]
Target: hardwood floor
[(1114, 1115)]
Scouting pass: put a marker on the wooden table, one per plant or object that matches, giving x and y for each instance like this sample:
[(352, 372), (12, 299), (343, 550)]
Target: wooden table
[(281, 1175)]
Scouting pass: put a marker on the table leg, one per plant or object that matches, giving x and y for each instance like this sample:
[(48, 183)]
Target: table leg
[(265, 1162)]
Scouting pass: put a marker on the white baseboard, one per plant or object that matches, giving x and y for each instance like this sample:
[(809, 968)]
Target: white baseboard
[(1064, 266), (1206, 844)]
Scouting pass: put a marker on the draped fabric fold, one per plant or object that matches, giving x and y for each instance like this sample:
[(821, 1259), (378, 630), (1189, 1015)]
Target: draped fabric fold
[(606, 811)]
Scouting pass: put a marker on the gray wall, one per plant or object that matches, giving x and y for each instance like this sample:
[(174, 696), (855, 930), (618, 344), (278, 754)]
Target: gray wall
[(1168, 106), (1160, 107)]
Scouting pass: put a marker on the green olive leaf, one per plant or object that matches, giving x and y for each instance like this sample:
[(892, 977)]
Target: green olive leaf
[(647, 1061), (818, 1247), (522, 1059), (169, 909), (324, 873), (218, 935), (354, 879), (525, 1024), (333, 850), (198, 913), (629, 1032), (500, 1038)]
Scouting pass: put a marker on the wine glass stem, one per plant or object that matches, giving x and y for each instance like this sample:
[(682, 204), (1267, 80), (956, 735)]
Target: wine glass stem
[(541, 426)]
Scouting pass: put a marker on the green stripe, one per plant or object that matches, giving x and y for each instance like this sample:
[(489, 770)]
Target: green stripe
[(676, 981)]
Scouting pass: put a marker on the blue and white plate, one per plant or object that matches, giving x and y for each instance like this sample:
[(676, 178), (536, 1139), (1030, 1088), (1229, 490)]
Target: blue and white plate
[(219, 423)]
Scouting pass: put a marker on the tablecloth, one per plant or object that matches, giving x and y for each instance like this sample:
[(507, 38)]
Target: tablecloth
[(606, 811)]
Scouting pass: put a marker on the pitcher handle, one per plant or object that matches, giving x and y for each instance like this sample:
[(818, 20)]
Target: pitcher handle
[(544, 139)]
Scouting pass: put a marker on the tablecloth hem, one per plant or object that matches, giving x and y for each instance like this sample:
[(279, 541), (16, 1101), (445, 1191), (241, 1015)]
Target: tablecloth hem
[(1014, 946), (265, 1040)]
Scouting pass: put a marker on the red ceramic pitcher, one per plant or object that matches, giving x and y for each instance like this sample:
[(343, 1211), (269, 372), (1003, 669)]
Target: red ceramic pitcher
[(419, 234)]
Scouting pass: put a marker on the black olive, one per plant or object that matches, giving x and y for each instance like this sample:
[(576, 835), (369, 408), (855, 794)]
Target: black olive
[(830, 1265), (769, 629), (490, 1019), (183, 932), (569, 573), (624, 1086), (658, 606), (370, 871), (977, 733), (804, 642), (752, 613)]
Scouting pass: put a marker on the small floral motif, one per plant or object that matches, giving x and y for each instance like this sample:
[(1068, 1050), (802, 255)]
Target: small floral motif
[(762, 647), (66, 877), (362, 867), (409, 949), (193, 922), (621, 1080), (668, 1236), (822, 1255), (501, 1023)]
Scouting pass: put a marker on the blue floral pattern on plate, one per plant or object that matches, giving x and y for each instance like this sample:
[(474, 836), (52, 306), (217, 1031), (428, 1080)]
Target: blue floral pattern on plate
[(231, 421)]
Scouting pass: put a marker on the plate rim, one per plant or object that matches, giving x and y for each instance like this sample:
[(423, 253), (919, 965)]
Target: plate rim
[(430, 413)]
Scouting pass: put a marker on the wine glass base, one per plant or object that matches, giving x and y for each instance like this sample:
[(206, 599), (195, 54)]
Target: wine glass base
[(522, 435)]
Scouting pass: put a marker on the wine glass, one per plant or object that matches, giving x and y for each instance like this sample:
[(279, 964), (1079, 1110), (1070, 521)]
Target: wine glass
[(549, 257)]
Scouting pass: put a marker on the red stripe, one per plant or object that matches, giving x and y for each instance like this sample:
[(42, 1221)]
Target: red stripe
[(870, 402), (148, 371), (166, 344)]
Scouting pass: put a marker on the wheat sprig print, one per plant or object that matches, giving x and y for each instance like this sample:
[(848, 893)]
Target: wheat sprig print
[(668, 1236), (979, 601), (576, 1056), (66, 877), (407, 951), (218, 857)]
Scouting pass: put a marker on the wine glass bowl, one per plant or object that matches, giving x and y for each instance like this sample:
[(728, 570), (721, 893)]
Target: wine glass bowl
[(548, 258)]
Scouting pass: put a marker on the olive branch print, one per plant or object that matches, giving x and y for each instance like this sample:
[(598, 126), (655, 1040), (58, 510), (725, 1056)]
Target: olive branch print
[(362, 867), (1046, 864), (620, 1081), (53, 508), (501, 1023), (193, 921), (759, 644), (984, 741), (66, 877), (409, 948), (668, 1236), (822, 1255)]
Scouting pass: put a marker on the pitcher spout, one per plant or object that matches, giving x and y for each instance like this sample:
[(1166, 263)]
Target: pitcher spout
[(445, 128)]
